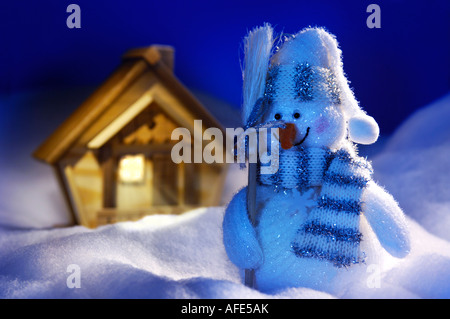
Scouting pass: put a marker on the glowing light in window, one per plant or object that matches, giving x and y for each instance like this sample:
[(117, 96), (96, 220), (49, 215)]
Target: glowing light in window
[(131, 168)]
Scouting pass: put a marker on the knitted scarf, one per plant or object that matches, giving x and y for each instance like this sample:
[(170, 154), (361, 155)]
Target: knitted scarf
[(331, 231)]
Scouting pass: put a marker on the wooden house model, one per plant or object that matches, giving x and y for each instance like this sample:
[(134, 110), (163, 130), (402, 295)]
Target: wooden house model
[(112, 156)]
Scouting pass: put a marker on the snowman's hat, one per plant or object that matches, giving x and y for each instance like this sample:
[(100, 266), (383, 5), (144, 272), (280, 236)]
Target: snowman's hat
[(316, 48)]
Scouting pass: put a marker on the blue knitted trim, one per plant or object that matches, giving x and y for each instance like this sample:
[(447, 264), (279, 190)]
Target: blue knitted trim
[(348, 206), (333, 233), (358, 162), (304, 78), (275, 179), (269, 91), (302, 168), (333, 88), (337, 259), (342, 180), (329, 155)]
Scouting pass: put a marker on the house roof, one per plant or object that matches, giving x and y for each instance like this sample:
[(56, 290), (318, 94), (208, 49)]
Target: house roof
[(158, 59)]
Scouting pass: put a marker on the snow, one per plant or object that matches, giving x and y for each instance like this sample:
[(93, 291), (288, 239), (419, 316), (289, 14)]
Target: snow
[(183, 257), (165, 256), (420, 179)]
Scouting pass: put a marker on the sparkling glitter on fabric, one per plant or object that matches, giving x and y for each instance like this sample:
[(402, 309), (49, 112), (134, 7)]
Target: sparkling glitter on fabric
[(302, 169), (339, 179), (360, 162), (340, 205), (333, 232), (303, 80), (270, 84), (335, 258), (334, 90)]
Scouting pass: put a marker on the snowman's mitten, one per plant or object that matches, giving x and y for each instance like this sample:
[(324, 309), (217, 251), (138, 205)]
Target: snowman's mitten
[(239, 235), (386, 219)]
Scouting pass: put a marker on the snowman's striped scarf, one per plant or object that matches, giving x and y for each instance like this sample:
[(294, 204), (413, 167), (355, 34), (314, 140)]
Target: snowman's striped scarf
[(331, 231)]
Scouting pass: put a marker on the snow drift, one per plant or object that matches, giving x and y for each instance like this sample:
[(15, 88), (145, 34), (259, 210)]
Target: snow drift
[(183, 257)]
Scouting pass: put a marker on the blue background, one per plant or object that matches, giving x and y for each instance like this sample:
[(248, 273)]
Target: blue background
[(393, 70)]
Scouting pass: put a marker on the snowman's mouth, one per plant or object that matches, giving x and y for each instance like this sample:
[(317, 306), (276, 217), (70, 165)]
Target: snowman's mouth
[(304, 137)]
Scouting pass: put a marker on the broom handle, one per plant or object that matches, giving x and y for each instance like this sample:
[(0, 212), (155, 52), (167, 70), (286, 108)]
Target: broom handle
[(251, 208)]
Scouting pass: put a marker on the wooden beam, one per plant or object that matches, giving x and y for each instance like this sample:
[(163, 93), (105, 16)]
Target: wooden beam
[(181, 183), (76, 201), (132, 101), (64, 187), (186, 97), (109, 166), (147, 149), (153, 54), (65, 136)]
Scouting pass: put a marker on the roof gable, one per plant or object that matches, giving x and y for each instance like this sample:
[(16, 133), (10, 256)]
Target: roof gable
[(146, 73)]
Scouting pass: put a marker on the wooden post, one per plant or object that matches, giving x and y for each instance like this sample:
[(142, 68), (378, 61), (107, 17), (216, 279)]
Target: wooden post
[(109, 163), (63, 185), (181, 184), (251, 209)]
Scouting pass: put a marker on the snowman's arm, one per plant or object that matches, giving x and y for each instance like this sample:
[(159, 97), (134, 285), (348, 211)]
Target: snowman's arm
[(239, 236), (386, 219)]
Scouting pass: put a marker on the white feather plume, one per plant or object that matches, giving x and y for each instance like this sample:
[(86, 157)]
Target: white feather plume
[(257, 49)]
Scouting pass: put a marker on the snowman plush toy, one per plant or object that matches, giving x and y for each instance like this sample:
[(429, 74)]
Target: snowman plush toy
[(320, 215)]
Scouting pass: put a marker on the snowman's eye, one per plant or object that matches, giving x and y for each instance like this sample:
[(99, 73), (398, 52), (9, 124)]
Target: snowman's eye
[(278, 116), (296, 115)]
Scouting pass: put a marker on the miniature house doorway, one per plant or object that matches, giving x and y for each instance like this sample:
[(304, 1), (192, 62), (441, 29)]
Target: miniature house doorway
[(112, 157)]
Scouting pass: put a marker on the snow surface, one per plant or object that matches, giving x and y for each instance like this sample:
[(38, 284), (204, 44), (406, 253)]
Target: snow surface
[(165, 256)]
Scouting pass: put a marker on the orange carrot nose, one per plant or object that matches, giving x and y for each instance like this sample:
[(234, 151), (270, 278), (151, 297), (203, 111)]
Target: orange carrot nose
[(287, 136)]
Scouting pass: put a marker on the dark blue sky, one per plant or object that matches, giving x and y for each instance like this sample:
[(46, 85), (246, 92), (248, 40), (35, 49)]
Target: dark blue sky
[(393, 70)]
